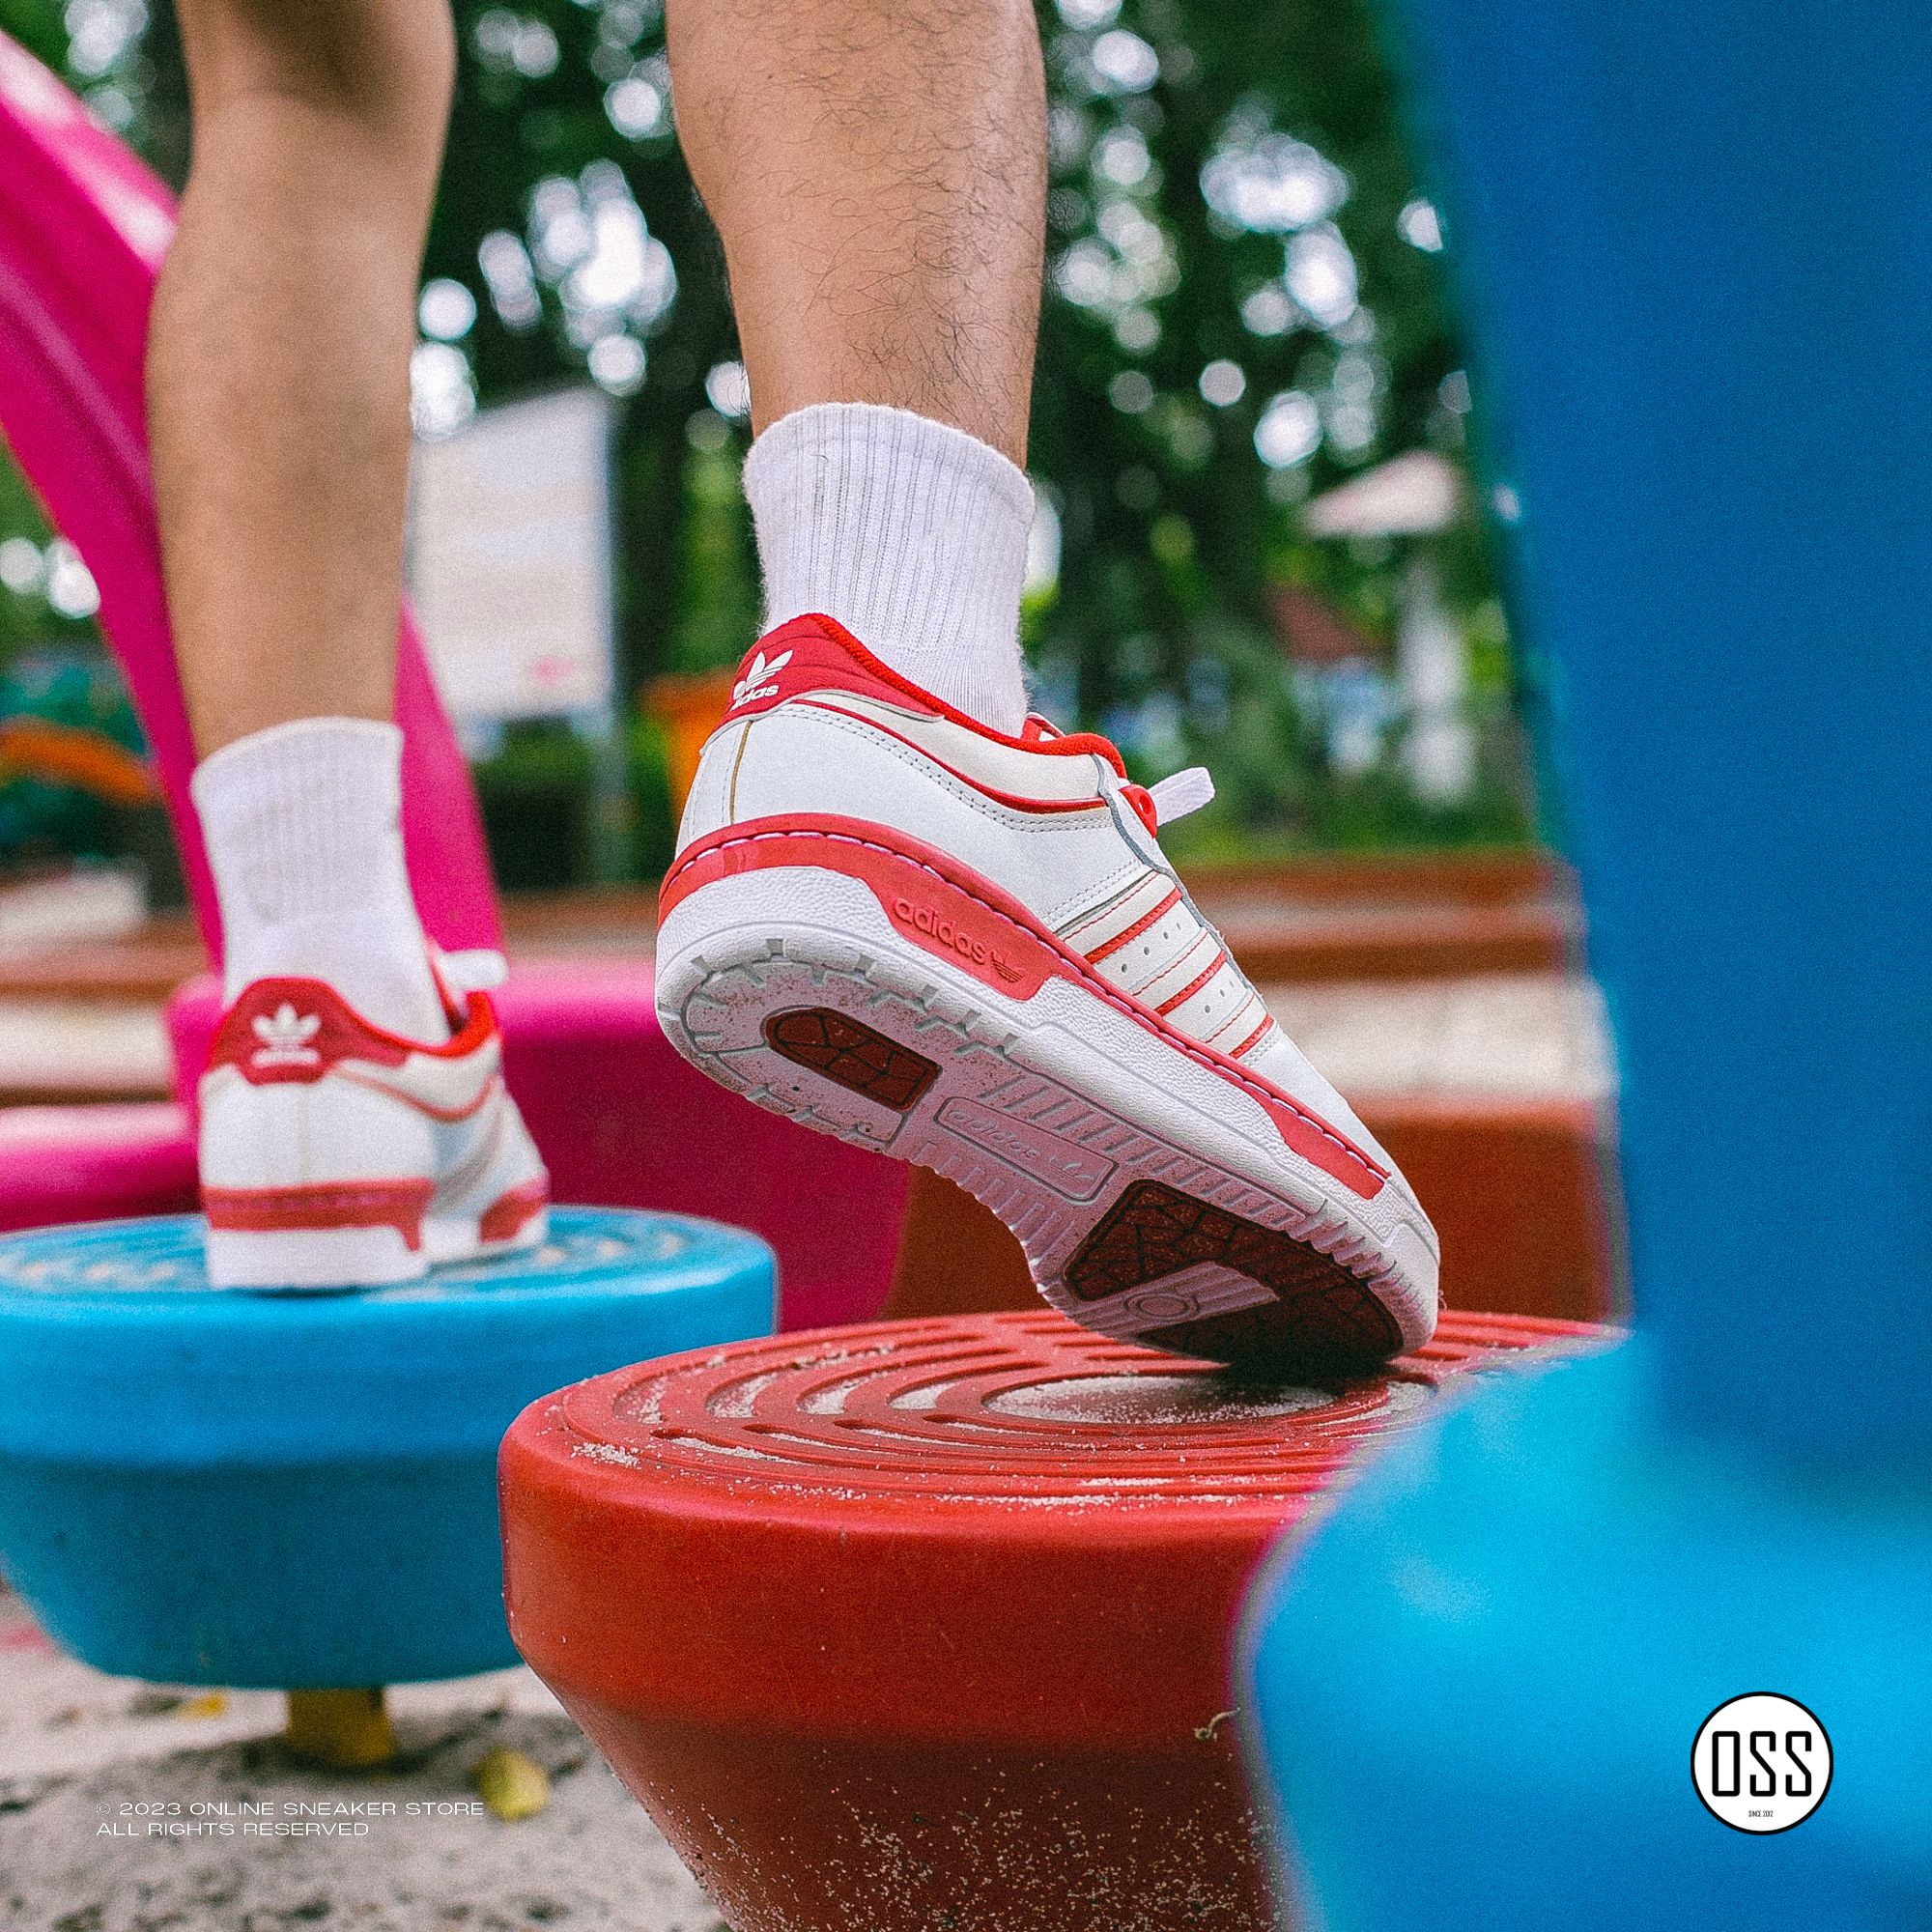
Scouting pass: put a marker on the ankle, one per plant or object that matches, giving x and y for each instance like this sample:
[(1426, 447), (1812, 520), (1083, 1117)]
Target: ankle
[(303, 828), (911, 534)]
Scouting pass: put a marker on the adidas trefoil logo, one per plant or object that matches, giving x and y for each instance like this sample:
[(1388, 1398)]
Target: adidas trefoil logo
[(285, 1037), (755, 683)]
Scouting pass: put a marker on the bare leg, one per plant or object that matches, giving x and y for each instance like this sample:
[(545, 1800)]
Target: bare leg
[(279, 384), (280, 351), (877, 169)]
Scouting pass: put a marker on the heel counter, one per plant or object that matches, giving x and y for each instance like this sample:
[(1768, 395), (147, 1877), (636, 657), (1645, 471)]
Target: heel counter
[(776, 760), (708, 804), (288, 1135)]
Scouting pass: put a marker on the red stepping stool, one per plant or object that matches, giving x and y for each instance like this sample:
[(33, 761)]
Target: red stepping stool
[(926, 1623)]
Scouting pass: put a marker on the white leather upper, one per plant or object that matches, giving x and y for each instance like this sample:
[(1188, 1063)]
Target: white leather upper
[(1089, 874), (810, 757), (357, 1123), (1090, 870)]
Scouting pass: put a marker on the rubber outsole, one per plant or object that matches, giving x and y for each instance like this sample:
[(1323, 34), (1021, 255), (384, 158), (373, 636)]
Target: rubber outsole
[(1127, 1227)]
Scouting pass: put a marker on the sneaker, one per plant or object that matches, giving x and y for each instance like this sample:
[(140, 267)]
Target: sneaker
[(337, 1154), (968, 950)]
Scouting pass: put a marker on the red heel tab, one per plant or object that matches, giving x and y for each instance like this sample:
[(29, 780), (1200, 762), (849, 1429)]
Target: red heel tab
[(819, 653), (297, 1029), (813, 653)]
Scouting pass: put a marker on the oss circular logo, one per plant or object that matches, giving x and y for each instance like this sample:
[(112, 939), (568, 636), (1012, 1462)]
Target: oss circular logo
[(1761, 1763)]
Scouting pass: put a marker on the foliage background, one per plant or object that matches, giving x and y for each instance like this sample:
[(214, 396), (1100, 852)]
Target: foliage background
[(1229, 188)]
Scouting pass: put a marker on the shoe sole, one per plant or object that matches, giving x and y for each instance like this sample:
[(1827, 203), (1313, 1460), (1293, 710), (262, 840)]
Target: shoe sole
[(1156, 1201)]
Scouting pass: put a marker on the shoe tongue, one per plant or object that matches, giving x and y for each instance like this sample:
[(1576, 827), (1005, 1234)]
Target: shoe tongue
[(476, 970)]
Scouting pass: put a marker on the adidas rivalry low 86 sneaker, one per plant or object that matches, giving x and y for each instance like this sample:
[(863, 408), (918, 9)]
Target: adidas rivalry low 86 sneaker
[(967, 950), (336, 1155)]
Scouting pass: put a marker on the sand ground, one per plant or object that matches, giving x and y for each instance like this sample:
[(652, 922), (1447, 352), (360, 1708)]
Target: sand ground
[(86, 1761)]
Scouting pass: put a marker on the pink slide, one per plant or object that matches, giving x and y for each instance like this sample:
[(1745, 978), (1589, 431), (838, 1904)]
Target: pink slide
[(621, 1121)]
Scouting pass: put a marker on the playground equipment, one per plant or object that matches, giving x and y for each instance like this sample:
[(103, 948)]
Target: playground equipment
[(83, 228), (1017, 1601), (300, 1491), (1737, 1500), (90, 762), (326, 1518), (925, 1623)]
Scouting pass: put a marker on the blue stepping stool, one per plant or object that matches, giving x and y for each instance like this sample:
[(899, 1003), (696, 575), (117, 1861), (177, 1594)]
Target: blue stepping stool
[(1483, 1694), (296, 1490)]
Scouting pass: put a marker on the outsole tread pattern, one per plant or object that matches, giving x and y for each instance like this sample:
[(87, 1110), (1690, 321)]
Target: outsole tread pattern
[(1123, 1230), (857, 1056)]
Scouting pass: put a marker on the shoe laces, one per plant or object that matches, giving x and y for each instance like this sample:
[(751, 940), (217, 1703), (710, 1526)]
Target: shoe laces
[(1158, 804), (1179, 793), (1170, 798)]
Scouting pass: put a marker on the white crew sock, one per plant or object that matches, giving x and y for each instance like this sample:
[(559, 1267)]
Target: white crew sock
[(911, 534), (304, 824)]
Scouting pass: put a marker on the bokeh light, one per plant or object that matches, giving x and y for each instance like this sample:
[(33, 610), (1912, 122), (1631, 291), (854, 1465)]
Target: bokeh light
[(1288, 431), (446, 310), (728, 391), (1223, 382), (618, 363)]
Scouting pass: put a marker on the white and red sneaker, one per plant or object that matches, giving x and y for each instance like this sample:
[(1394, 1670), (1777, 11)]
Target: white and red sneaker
[(967, 950), (337, 1154)]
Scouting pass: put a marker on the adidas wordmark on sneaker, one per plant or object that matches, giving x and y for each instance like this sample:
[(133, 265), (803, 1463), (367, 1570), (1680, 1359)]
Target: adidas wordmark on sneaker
[(337, 1154), (967, 950)]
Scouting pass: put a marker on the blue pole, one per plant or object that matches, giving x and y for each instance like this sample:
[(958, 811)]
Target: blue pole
[(1694, 242)]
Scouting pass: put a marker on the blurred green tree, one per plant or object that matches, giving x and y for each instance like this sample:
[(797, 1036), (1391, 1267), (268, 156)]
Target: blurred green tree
[(1242, 310)]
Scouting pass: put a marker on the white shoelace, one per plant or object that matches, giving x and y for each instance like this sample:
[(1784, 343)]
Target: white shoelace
[(1179, 793)]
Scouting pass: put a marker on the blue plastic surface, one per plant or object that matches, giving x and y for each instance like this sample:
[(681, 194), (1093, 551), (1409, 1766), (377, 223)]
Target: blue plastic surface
[(299, 1491), (1480, 1684), (1693, 245), (1691, 236)]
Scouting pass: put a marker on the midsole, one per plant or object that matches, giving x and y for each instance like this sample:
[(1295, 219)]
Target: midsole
[(955, 915), (322, 1260), (509, 1214), (356, 1203)]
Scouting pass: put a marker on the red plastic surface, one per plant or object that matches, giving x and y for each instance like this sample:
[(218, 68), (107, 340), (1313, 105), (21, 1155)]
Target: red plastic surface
[(926, 1623)]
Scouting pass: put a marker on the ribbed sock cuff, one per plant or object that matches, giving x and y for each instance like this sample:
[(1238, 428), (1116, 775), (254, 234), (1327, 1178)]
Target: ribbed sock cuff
[(911, 534), (303, 828)]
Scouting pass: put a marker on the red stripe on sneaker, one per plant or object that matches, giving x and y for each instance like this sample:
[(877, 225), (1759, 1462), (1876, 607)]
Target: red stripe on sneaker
[(1236, 1053), (296, 1029), (1134, 931), (1193, 986), (1237, 1019), (352, 1204), (1012, 800), (949, 910), (509, 1214), (451, 1116)]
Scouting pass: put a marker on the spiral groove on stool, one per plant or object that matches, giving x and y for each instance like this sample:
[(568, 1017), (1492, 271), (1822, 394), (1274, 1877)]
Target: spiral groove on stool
[(953, 1410), (926, 1623)]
